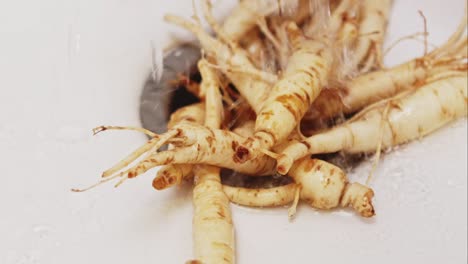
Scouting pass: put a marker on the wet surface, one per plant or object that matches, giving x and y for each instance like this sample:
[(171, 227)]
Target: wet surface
[(67, 70)]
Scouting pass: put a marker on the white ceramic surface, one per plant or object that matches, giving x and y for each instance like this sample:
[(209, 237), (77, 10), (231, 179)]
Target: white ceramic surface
[(67, 66)]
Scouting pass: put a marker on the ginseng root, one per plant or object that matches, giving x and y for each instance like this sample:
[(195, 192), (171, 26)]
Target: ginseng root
[(410, 116), (290, 98), (372, 27), (322, 186), (195, 144), (244, 16), (233, 62), (173, 174), (374, 86), (213, 231), (276, 196)]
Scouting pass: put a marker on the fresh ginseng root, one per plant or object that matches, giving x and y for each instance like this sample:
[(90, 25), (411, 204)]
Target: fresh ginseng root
[(320, 184), (406, 117)]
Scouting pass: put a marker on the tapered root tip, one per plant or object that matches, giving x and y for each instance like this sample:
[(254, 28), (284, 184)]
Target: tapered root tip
[(98, 130), (291, 214), (284, 164), (359, 197), (170, 17)]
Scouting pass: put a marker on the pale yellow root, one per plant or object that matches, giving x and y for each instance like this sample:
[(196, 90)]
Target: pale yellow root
[(191, 144), (221, 33), (348, 33), (322, 185), (100, 129), (325, 186), (273, 27), (212, 223), (263, 75), (233, 62), (260, 53), (372, 27), (359, 197), (254, 72), (209, 90), (329, 18), (196, 144), (263, 26), (244, 16), (292, 210), (320, 18), (306, 74), (173, 174), (415, 115), (192, 114), (456, 41), (213, 231), (339, 16), (366, 89), (301, 83), (300, 13), (276, 34), (153, 144), (276, 196), (374, 86), (343, 24)]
